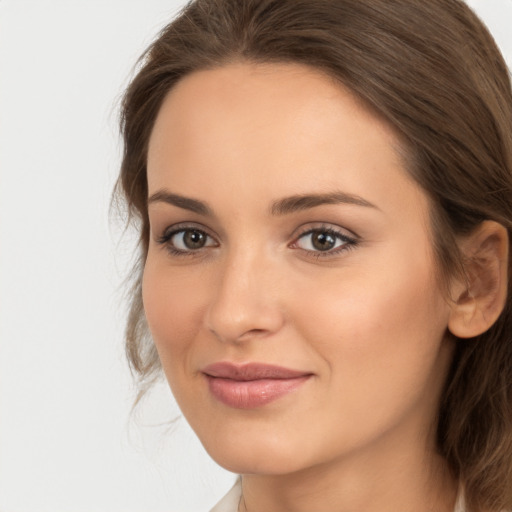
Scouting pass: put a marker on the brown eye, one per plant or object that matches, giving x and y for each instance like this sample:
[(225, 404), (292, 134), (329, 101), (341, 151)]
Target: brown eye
[(186, 240), (194, 239), (324, 241)]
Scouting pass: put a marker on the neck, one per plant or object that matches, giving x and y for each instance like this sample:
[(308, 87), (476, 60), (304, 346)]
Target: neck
[(395, 475)]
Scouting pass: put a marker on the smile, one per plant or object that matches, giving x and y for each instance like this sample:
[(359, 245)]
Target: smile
[(251, 385)]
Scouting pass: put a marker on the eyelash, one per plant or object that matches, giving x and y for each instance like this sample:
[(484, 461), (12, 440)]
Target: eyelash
[(348, 242), (168, 234)]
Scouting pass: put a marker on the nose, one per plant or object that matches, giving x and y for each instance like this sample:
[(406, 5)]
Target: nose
[(245, 303)]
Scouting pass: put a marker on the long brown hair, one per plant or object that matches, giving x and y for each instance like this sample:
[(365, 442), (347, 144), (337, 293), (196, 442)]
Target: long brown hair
[(433, 71)]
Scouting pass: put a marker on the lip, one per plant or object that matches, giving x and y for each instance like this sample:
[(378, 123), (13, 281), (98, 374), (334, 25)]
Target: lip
[(251, 385)]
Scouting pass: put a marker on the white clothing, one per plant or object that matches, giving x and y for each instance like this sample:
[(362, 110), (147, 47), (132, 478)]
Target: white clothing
[(231, 500)]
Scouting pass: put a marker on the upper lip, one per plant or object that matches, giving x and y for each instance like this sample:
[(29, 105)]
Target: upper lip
[(251, 371)]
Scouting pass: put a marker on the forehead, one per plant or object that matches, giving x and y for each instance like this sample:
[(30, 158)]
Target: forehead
[(254, 100), (274, 129)]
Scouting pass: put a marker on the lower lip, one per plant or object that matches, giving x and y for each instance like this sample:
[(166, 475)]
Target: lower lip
[(250, 394)]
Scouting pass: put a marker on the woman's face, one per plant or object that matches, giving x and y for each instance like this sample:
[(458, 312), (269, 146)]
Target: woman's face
[(290, 284)]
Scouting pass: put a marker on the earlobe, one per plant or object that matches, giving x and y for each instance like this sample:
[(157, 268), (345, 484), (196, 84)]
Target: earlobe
[(480, 299)]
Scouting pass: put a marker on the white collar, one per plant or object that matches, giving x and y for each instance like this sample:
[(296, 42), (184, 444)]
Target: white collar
[(231, 500)]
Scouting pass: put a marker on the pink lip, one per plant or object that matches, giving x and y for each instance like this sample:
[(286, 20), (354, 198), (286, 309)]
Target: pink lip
[(251, 385)]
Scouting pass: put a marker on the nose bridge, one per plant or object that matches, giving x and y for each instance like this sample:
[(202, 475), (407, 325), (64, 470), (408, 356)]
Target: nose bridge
[(244, 303)]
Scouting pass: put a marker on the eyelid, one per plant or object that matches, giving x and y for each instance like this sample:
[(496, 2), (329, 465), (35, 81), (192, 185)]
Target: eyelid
[(170, 231), (349, 238), (325, 226)]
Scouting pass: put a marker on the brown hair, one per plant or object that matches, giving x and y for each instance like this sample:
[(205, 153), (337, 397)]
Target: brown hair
[(433, 71)]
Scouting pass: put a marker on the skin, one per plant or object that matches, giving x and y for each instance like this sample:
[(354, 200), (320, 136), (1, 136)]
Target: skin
[(368, 321)]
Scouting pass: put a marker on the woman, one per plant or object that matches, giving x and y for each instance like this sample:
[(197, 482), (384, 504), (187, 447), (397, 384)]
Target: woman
[(324, 193)]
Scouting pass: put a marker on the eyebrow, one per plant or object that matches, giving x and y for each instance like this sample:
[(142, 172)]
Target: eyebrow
[(305, 201), (283, 206), (187, 203)]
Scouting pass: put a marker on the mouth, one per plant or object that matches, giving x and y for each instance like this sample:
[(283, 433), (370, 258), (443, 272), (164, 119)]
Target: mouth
[(251, 385)]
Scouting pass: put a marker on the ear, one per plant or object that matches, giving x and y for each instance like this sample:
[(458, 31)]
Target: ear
[(479, 300)]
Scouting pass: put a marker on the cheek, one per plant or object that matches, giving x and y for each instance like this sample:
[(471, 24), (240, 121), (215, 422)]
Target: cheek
[(172, 305), (395, 299), (379, 333)]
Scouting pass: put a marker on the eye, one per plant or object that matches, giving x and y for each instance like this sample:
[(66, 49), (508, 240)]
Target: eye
[(186, 240), (324, 240)]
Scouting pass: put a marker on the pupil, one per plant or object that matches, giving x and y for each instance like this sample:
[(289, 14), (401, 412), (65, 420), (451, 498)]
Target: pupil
[(194, 239), (323, 241)]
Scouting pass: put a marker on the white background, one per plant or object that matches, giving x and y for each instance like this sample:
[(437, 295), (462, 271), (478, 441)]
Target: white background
[(67, 440)]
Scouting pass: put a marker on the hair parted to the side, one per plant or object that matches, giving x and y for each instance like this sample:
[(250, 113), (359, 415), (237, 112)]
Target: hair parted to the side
[(432, 70)]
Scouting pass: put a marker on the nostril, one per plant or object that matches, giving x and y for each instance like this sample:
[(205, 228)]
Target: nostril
[(253, 333), (241, 308), (240, 338)]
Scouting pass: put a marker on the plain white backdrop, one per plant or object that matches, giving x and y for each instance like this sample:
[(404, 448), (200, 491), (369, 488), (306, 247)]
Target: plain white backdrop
[(67, 440)]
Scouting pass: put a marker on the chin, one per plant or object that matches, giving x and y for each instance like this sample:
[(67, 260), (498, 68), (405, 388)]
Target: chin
[(258, 465), (253, 457)]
